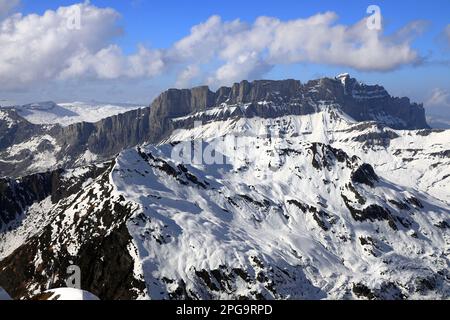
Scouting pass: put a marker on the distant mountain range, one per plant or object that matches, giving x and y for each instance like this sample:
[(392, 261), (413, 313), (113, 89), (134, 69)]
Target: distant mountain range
[(69, 113)]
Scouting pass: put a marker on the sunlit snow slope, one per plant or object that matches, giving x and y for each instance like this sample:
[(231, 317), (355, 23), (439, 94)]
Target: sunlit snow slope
[(302, 207), (283, 218), (69, 113)]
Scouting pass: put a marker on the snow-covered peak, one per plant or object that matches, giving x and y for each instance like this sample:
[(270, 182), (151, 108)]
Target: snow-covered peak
[(343, 77), (46, 105), (275, 202), (313, 126), (71, 112), (6, 119)]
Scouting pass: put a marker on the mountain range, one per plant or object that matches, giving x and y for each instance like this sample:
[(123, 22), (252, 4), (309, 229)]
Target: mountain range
[(330, 189)]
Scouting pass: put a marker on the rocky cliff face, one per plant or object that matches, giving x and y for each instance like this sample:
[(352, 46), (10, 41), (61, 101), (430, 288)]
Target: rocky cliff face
[(108, 136), (271, 99), (364, 102), (87, 210), (28, 148)]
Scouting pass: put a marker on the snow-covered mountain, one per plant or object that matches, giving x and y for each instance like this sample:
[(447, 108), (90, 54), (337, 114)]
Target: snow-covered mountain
[(27, 148), (72, 112), (269, 190)]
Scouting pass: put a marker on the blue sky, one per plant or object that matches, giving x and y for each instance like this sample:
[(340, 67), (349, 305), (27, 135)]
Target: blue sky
[(159, 24)]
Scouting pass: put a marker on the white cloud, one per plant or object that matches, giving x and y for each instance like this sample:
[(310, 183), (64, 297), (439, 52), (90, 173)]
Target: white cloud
[(36, 48), (439, 98), (248, 50), (111, 63), (247, 65), (41, 48), (204, 40), (187, 75)]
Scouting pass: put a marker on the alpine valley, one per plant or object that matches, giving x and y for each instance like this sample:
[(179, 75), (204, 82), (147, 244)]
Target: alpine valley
[(330, 189)]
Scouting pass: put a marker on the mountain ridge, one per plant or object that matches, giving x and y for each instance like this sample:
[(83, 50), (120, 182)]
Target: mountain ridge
[(82, 143)]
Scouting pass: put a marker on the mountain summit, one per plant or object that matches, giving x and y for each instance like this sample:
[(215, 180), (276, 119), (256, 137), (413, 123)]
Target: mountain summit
[(268, 99)]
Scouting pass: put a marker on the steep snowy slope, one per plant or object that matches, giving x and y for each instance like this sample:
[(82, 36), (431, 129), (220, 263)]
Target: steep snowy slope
[(79, 222), (284, 219), (417, 159), (281, 218), (266, 190)]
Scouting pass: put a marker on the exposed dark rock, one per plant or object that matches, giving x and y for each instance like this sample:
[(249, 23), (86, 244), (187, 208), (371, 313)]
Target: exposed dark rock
[(372, 213), (18, 194), (441, 154), (358, 196), (415, 202), (427, 132), (103, 257), (382, 138), (324, 156), (400, 205), (443, 225), (361, 290), (323, 219), (365, 175), (425, 284), (386, 291)]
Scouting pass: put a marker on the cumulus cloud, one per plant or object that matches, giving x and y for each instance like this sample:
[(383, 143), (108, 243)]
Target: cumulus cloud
[(251, 50), (41, 48), (36, 48), (205, 40), (111, 63)]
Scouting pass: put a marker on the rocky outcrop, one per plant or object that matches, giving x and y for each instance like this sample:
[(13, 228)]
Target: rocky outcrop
[(16, 195), (93, 237), (365, 175), (109, 136), (373, 102)]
